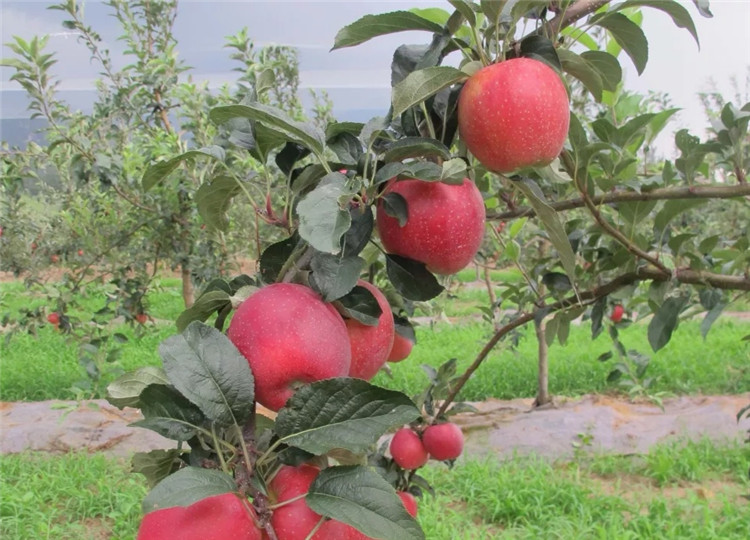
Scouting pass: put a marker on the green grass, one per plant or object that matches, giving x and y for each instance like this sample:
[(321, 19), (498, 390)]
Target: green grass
[(690, 491)]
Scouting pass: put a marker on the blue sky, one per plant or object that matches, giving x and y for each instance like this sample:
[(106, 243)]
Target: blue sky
[(357, 79)]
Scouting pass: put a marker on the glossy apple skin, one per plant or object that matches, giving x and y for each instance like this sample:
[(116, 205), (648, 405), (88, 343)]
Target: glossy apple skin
[(617, 312), (213, 518), (289, 336), (295, 520), (514, 114), (445, 226), (443, 441), (371, 344), (410, 503), (401, 348), (407, 449)]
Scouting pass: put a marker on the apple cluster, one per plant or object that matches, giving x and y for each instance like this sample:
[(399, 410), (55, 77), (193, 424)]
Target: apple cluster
[(442, 442)]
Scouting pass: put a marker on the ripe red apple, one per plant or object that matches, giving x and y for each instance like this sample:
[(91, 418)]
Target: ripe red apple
[(214, 518), (407, 449), (617, 312), (410, 503), (54, 259), (142, 318), (443, 441), (444, 228), (295, 520), (54, 318), (401, 348), (370, 344), (290, 337), (80, 253), (514, 114)]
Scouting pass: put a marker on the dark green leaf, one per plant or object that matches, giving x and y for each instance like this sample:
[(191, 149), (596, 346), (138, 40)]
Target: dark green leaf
[(540, 48), (410, 147), (371, 26), (126, 389), (156, 465), (359, 232), (289, 155), (605, 356), (308, 177), (342, 413), (209, 370), (404, 328), (635, 212), (672, 209), (206, 305), (359, 496), (213, 201), (396, 206), (322, 219), (710, 298), (335, 128), (188, 486), (360, 304), (168, 413), (607, 66), (582, 70), (334, 276), (412, 279), (347, 148), (159, 171), (597, 313), (665, 321), (466, 11), (422, 84), (274, 256), (710, 318), (679, 14), (628, 35), (557, 282)]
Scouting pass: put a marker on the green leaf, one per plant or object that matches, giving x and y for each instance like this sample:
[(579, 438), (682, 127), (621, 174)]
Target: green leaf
[(159, 171), (265, 80), (540, 48), (466, 11), (360, 304), (582, 70), (274, 256), (360, 232), (188, 486), (411, 278), (410, 147), (156, 465), (342, 413), (635, 212), (333, 276), (209, 370), (710, 318), (371, 26), (422, 84), (680, 16), (213, 201), (665, 321), (703, 8), (275, 119), (359, 496), (672, 209), (206, 305), (322, 220), (607, 66), (168, 413), (395, 205), (453, 171), (552, 224), (597, 314), (628, 35), (125, 391)]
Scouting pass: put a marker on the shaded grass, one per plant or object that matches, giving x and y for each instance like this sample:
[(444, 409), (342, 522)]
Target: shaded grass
[(78, 496)]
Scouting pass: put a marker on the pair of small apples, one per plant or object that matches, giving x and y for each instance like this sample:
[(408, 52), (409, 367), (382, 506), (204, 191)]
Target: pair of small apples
[(442, 442), (229, 516)]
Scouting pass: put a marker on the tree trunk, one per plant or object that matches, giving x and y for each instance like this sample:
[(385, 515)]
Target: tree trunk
[(188, 293), (542, 395)]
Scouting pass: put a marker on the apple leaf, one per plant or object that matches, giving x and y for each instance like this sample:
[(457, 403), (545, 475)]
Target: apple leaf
[(371, 26), (628, 35), (582, 70), (213, 200), (540, 48), (342, 413), (276, 120), (454, 171), (551, 222), (274, 256), (395, 205), (672, 209), (205, 367), (168, 413), (188, 486), (411, 278), (404, 328), (333, 276), (607, 66), (347, 147), (423, 84), (680, 16), (125, 391), (360, 304), (206, 305), (710, 318), (360, 497), (159, 171), (322, 220), (360, 231), (665, 321), (411, 147), (156, 465)]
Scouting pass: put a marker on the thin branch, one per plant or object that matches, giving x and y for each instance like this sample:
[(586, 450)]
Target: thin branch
[(574, 12), (659, 194), (585, 298)]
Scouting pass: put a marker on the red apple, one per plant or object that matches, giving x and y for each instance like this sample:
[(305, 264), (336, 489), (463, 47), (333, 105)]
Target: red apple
[(290, 337), (402, 347), (80, 253), (444, 228), (214, 518), (617, 312), (295, 520), (370, 344), (514, 114), (407, 449), (142, 318), (443, 441), (54, 258), (410, 503), (54, 318)]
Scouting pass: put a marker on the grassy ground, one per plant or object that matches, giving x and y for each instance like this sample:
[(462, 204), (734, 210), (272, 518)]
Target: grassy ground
[(676, 491)]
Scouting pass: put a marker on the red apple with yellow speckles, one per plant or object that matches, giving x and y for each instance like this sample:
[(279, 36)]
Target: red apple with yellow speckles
[(371, 344), (514, 114)]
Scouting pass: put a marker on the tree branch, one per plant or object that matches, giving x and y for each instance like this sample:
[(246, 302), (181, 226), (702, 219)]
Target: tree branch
[(585, 298), (659, 194), (574, 12)]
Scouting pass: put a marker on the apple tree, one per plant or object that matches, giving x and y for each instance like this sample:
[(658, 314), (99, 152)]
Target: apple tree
[(275, 421)]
